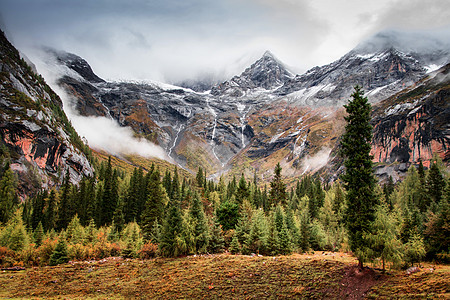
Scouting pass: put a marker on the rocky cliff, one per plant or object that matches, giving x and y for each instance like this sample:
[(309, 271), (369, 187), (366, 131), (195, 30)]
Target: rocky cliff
[(40, 140), (414, 125)]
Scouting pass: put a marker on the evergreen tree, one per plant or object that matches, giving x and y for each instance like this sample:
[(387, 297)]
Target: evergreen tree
[(172, 242), (133, 242), (14, 235), (386, 235), (437, 232), (199, 177), (257, 237), (59, 255), (65, 212), (273, 241), (216, 242), (38, 205), (235, 246), (278, 188), (7, 195), (75, 231), (242, 191), (358, 178), (131, 203), (305, 223), (51, 212), (228, 215), (154, 207), (285, 240), (414, 249), (199, 225), (38, 234), (435, 185), (388, 189), (110, 196)]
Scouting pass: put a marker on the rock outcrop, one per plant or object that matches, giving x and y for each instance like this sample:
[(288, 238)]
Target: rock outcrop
[(413, 125), (41, 142)]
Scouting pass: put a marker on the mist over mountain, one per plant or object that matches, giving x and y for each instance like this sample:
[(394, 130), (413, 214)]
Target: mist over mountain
[(263, 115)]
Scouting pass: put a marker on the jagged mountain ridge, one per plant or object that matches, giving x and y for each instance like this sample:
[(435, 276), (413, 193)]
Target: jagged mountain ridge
[(267, 73), (34, 128), (263, 115)]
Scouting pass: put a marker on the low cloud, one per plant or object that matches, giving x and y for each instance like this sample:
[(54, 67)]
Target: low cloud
[(106, 134), (316, 161), (101, 133)]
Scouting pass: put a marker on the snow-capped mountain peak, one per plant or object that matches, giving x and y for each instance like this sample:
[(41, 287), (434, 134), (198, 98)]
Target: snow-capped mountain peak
[(267, 73)]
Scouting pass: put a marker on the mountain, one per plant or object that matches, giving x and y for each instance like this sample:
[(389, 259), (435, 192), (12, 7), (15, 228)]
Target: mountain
[(266, 73), (35, 132), (264, 115), (413, 125), (381, 65)]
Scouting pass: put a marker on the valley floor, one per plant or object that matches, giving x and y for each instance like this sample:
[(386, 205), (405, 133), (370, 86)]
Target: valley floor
[(315, 276)]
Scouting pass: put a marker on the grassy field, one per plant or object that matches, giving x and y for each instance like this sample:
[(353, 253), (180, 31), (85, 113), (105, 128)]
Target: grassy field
[(315, 276)]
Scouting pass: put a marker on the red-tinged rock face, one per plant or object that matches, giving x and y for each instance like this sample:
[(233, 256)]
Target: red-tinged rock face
[(413, 129), (43, 149)]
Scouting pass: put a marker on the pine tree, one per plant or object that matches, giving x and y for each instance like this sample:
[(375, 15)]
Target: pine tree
[(228, 215), (216, 242), (305, 223), (199, 225), (199, 177), (358, 178), (235, 246), (130, 205), (172, 242), (414, 249), (65, 205), (59, 255), (14, 235), (437, 232), (131, 234), (38, 234), (7, 195), (110, 196), (38, 205), (435, 185), (257, 237), (278, 188), (51, 212), (242, 191), (156, 201), (386, 235)]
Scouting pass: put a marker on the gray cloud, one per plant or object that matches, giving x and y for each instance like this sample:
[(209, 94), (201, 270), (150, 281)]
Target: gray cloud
[(174, 40)]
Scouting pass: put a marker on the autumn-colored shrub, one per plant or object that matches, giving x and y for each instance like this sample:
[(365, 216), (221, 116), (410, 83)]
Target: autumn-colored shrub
[(29, 256), (115, 249), (77, 252), (149, 250), (6, 257), (45, 250)]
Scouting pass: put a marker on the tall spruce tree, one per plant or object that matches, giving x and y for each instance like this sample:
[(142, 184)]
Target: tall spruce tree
[(278, 188), (358, 178), (7, 195), (156, 200)]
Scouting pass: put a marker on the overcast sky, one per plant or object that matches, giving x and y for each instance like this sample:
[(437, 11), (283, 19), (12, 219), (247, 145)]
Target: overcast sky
[(170, 40)]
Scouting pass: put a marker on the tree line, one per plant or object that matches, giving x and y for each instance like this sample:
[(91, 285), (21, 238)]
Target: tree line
[(148, 213)]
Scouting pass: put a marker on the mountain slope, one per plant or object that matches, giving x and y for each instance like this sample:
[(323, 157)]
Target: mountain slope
[(39, 138), (262, 116)]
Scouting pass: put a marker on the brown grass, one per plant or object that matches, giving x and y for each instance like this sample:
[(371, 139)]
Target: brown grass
[(315, 276)]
